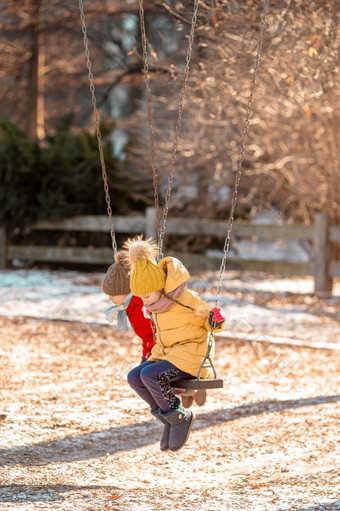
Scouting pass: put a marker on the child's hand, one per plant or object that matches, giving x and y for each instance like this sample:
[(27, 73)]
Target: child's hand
[(215, 317)]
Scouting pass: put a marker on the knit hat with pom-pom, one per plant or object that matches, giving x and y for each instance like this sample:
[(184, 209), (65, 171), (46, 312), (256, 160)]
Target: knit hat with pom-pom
[(117, 280), (146, 276)]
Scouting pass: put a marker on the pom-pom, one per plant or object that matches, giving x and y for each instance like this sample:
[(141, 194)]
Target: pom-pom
[(121, 258), (139, 249)]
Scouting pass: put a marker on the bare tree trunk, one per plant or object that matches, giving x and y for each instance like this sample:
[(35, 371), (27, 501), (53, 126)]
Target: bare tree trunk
[(35, 96), (41, 90)]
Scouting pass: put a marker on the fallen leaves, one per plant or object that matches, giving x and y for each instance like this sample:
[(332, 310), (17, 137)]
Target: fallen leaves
[(312, 51), (254, 436)]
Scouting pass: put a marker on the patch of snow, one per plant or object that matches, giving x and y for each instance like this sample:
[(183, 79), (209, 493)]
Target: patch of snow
[(51, 295), (72, 296), (261, 249)]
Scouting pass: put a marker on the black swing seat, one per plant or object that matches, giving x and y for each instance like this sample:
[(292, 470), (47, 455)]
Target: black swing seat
[(198, 384)]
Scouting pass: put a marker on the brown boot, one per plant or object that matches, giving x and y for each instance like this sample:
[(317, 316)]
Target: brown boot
[(187, 400), (187, 397), (200, 397)]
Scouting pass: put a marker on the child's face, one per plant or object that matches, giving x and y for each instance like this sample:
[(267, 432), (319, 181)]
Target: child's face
[(151, 298), (117, 299)]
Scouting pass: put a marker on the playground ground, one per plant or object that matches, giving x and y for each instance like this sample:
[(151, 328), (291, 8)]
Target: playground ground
[(73, 435)]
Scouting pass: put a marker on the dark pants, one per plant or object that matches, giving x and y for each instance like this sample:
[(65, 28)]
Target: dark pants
[(152, 382)]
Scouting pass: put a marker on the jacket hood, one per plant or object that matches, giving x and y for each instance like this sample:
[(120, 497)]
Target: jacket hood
[(176, 273)]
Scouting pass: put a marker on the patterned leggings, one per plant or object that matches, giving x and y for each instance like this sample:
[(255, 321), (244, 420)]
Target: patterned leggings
[(152, 382)]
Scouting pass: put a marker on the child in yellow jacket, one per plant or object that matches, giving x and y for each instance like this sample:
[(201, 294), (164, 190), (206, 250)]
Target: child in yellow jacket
[(183, 322)]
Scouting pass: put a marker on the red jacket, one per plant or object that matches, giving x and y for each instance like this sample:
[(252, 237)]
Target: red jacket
[(141, 324)]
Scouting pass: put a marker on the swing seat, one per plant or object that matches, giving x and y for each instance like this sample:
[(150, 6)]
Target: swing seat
[(198, 384)]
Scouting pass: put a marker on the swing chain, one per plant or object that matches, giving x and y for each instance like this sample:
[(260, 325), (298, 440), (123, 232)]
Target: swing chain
[(207, 357), (96, 118), (178, 129), (148, 102), (162, 223), (242, 151)]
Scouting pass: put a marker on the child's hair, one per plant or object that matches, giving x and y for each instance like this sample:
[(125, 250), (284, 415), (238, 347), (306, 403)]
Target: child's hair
[(200, 310)]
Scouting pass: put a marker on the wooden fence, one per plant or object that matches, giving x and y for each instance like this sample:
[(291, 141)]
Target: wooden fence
[(321, 234)]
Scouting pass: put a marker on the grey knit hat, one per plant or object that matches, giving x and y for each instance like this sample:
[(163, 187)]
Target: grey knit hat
[(117, 281)]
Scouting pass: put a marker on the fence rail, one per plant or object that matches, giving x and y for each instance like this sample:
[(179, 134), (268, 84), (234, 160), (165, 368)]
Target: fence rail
[(321, 234)]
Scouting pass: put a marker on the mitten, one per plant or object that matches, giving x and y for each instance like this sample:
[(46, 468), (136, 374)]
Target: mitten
[(215, 317)]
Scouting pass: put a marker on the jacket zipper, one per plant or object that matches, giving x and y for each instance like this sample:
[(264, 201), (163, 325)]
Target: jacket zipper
[(159, 332)]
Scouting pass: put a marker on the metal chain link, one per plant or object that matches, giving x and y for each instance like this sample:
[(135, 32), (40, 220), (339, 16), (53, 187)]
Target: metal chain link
[(242, 150), (97, 125), (148, 102), (162, 223)]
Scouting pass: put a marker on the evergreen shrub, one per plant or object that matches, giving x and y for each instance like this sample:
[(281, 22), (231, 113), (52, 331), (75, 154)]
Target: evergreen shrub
[(59, 177)]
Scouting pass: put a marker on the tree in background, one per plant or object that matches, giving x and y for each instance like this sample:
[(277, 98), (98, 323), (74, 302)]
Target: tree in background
[(291, 160), (58, 179), (44, 75), (44, 79)]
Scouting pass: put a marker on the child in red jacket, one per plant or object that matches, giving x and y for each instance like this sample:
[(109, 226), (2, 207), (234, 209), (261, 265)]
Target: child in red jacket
[(116, 284)]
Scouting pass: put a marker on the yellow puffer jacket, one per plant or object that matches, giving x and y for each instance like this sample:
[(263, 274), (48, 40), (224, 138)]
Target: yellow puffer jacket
[(182, 333)]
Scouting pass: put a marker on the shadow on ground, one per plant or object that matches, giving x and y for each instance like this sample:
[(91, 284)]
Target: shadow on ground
[(24, 493), (323, 506), (126, 438)]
